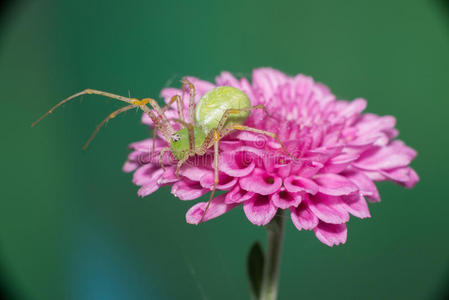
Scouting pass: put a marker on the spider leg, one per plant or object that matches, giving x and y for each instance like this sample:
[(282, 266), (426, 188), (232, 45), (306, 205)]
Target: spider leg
[(140, 103), (231, 111), (112, 115), (191, 100), (85, 92), (180, 106), (161, 114), (180, 163), (154, 142), (216, 178), (161, 156)]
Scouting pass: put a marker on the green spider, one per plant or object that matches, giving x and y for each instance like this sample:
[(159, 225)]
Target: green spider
[(220, 111)]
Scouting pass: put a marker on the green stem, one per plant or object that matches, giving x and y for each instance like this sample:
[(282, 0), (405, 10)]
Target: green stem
[(275, 234)]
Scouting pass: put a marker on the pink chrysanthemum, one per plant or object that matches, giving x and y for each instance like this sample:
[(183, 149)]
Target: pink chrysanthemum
[(339, 153)]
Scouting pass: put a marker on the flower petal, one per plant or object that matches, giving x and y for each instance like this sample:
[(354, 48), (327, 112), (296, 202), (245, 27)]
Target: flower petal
[(261, 182), (356, 205), (236, 163), (188, 190), (395, 155), (297, 184), (302, 217), (238, 195), (216, 208), (331, 234), (284, 199), (259, 210), (329, 209), (268, 80), (404, 176), (335, 185), (364, 183)]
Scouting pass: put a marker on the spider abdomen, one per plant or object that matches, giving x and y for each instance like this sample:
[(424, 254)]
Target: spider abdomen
[(213, 104)]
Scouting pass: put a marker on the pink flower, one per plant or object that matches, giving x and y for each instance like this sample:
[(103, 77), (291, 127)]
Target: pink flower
[(339, 153)]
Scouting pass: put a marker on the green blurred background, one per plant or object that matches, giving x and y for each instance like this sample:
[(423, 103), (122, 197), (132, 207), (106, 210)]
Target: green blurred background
[(71, 224)]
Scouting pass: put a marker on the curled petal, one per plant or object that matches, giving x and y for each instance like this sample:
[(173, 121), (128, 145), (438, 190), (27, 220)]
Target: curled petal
[(216, 208), (225, 182), (298, 184), (302, 217), (238, 195), (188, 190), (284, 199), (259, 210), (261, 182), (236, 163), (331, 234), (335, 185)]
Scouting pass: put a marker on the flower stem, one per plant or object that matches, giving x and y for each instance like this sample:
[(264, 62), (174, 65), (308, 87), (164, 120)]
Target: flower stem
[(275, 234)]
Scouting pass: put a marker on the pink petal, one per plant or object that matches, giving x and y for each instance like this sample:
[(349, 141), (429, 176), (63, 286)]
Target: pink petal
[(195, 173), (364, 183), (225, 182), (147, 173), (356, 205), (396, 154), (169, 176), (261, 182), (188, 190), (268, 80), (226, 78), (238, 195), (236, 163), (297, 184), (148, 189), (201, 86), (302, 217), (339, 163), (329, 209), (404, 176), (284, 199), (335, 185), (216, 208), (353, 108), (331, 234), (259, 210), (129, 166)]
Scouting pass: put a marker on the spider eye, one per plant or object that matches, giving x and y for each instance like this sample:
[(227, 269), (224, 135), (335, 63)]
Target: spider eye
[(175, 137)]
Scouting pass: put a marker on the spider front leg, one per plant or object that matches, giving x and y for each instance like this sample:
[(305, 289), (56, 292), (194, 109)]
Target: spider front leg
[(191, 100), (216, 137), (111, 116)]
